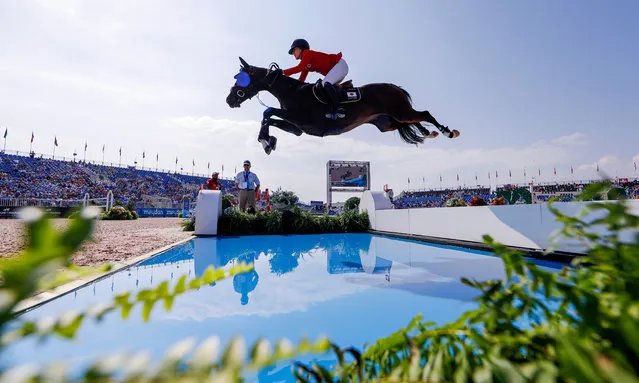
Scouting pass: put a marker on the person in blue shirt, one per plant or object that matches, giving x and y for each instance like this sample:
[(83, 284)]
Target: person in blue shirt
[(248, 184)]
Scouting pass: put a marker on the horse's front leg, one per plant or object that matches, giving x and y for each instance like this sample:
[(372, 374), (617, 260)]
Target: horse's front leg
[(269, 142), (264, 132), (285, 126)]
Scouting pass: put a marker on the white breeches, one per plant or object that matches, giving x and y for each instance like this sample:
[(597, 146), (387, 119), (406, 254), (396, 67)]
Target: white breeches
[(337, 74)]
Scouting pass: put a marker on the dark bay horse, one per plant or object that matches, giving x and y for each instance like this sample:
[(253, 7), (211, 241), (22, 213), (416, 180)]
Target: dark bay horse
[(303, 107)]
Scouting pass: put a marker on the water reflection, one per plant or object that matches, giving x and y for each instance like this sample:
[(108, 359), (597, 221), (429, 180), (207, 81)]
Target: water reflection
[(357, 260), (364, 259)]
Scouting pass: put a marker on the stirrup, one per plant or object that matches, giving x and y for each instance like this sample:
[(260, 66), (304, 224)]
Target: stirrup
[(335, 115)]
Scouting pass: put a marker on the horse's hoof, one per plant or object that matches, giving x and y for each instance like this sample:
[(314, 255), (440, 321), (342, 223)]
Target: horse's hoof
[(453, 133), (267, 150), (433, 134), (272, 142)]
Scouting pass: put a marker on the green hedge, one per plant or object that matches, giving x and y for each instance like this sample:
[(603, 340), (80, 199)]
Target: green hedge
[(119, 213), (294, 221)]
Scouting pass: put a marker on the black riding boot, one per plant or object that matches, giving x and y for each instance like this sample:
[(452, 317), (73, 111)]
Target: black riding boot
[(332, 93)]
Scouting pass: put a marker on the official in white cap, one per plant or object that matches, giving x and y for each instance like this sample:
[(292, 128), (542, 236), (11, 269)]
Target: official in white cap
[(248, 184)]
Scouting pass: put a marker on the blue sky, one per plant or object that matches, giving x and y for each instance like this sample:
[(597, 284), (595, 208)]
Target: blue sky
[(540, 84)]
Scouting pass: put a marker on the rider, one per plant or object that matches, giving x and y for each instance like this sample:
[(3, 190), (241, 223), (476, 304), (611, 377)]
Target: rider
[(332, 66)]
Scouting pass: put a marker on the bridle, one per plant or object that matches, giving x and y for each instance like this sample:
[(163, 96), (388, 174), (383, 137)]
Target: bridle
[(273, 68)]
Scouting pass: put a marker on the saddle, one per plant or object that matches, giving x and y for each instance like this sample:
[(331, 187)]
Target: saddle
[(347, 92)]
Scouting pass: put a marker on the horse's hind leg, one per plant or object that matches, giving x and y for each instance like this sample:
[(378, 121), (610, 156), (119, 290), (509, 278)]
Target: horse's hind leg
[(386, 123), (426, 116), (408, 115)]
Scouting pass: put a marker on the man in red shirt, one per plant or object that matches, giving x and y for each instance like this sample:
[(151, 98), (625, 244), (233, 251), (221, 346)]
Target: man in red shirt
[(213, 183), (332, 66)]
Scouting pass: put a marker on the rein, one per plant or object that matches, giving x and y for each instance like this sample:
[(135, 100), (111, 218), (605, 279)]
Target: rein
[(272, 68)]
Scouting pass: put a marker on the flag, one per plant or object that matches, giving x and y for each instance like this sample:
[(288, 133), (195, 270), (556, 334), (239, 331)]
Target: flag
[(6, 130), (571, 171), (440, 178), (85, 145), (488, 175), (597, 168), (176, 160), (157, 156), (194, 162), (475, 176), (554, 170), (524, 172), (32, 136), (143, 154), (120, 150), (408, 179), (509, 173), (55, 141), (222, 167), (496, 174), (103, 148), (634, 163), (457, 177), (539, 170), (208, 166)]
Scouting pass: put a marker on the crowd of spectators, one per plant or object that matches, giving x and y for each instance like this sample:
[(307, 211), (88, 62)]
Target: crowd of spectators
[(31, 177), (559, 188), (39, 178), (438, 198), (632, 188)]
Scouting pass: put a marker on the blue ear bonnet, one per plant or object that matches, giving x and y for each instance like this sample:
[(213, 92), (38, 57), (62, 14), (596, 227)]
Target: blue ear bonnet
[(242, 79)]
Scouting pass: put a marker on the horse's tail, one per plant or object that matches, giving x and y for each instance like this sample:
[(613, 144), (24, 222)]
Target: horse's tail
[(413, 132)]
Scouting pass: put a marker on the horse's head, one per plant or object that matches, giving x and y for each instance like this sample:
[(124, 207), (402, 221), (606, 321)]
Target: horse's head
[(248, 82)]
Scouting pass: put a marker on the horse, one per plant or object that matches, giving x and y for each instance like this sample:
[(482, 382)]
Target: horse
[(304, 106)]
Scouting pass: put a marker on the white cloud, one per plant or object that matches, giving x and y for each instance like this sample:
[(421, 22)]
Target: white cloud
[(571, 139), (603, 162), (608, 160)]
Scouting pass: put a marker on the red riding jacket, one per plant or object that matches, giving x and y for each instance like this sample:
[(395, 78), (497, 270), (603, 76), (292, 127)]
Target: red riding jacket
[(313, 61)]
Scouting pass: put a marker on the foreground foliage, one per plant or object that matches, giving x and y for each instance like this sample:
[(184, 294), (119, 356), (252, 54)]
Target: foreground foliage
[(581, 324)]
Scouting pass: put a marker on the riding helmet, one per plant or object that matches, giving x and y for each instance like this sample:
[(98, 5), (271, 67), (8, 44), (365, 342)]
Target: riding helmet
[(299, 43)]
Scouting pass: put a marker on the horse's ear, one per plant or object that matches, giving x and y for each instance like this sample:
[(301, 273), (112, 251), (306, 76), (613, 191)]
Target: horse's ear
[(244, 63)]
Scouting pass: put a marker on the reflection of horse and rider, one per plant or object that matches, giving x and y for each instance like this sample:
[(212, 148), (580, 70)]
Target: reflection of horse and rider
[(330, 106), (343, 254), (357, 254)]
